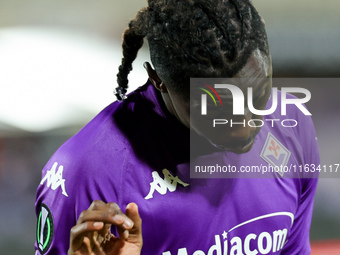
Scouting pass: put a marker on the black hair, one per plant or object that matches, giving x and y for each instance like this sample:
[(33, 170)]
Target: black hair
[(193, 38)]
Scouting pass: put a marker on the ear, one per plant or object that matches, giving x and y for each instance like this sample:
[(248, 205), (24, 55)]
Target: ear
[(154, 78), (262, 20)]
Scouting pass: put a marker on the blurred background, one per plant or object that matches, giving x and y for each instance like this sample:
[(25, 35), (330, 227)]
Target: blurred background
[(58, 65)]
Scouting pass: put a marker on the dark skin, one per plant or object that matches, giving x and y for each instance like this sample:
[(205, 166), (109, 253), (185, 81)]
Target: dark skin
[(237, 139), (91, 235)]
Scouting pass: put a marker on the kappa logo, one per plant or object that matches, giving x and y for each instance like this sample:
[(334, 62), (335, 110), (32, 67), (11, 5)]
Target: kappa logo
[(162, 186), (55, 179), (275, 153)]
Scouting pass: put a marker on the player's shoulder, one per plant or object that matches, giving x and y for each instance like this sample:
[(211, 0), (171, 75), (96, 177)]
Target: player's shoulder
[(96, 137), (97, 155), (103, 142)]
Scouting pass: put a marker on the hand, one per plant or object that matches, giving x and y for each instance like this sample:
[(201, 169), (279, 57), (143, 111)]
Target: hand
[(92, 234)]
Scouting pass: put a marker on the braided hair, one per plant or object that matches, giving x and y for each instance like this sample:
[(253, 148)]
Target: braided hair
[(193, 38)]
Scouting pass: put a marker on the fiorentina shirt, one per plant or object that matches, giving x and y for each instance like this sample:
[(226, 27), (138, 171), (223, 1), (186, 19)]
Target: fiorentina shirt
[(136, 151)]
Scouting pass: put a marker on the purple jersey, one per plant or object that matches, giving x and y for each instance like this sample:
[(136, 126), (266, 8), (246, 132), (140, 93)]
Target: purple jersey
[(135, 151)]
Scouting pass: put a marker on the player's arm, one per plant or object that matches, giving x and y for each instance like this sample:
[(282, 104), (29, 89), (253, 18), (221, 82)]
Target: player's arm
[(299, 242), (55, 208), (92, 235)]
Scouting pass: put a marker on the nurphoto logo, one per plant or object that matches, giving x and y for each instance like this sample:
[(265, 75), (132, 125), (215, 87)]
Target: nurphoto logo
[(239, 98), (242, 104)]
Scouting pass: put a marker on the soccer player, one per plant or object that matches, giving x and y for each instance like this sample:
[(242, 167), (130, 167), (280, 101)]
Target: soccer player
[(131, 162)]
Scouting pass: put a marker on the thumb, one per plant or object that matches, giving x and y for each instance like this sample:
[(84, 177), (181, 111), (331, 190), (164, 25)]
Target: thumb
[(135, 234)]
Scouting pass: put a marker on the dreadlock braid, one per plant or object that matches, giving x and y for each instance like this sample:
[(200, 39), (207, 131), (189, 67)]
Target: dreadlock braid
[(194, 38), (132, 41)]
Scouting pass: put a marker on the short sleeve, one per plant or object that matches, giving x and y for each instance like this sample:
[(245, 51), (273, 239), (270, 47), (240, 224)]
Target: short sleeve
[(55, 209), (80, 172)]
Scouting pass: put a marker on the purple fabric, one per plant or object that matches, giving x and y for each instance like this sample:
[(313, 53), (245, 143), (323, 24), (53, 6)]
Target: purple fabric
[(113, 158)]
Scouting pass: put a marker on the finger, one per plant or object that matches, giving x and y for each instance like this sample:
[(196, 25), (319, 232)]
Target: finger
[(97, 245), (112, 209), (128, 223), (133, 213), (135, 234), (97, 205), (108, 217), (79, 231), (123, 234), (97, 240), (106, 232)]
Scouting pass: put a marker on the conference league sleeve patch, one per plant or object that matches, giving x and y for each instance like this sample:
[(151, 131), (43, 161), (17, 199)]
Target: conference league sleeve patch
[(45, 229)]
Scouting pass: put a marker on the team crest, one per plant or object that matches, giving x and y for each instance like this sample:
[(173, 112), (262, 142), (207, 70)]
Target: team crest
[(275, 153), (45, 229)]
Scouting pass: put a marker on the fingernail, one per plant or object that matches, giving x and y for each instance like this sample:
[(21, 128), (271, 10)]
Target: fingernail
[(128, 223), (98, 224), (131, 204), (119, 218)]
